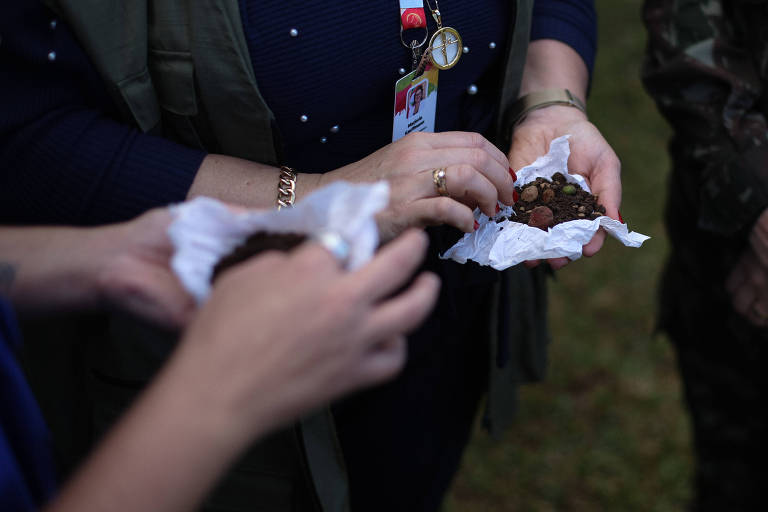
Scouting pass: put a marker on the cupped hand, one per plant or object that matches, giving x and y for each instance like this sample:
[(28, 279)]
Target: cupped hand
[(748, 282), (591, 156), (477, 175), (137, 275), (284, 333)]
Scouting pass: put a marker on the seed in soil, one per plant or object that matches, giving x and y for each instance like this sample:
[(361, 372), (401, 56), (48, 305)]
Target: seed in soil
[(542, 218), (530, 194)]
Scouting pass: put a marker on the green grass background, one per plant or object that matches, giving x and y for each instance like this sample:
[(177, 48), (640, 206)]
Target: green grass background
[(607, 430)]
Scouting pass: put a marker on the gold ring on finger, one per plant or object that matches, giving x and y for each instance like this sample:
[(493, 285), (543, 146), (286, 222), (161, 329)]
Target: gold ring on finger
[(438, 176)]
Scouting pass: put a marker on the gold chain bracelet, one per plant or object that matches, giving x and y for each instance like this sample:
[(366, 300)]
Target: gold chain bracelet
[(286, 188)]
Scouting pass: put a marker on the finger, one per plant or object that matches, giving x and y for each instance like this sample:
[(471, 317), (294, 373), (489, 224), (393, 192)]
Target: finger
[(392, 266), (532, 263), (495, 172), (465, 185), (594, 245), (406, 311), (436, 211), (157, 295), (383, 362), (558, 263), (445, 140), (605, 182), (313, 257)]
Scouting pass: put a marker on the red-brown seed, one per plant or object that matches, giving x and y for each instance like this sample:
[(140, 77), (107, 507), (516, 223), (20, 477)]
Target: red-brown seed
[(541, 217)]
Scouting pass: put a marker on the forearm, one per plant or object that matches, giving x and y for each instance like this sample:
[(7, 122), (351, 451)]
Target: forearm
[(243, 182), (551, 64), (165, 455), (46, 269), (76, 166), (573, 22)]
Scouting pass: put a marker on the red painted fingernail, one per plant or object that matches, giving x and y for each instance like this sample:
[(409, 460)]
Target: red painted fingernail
[(498, 208), (620, 218), (512, 173), (515, 195), (477, 226)]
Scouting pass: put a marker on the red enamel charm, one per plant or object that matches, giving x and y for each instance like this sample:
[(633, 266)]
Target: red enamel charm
[(413, 18)]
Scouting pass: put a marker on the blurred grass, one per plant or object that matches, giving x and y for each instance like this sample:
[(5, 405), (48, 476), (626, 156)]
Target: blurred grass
[(607, 429)]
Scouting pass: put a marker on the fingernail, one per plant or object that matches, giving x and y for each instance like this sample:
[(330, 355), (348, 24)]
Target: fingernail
[(515, 195), (620, 218), (512, 173), (477, 226), (498, 208)]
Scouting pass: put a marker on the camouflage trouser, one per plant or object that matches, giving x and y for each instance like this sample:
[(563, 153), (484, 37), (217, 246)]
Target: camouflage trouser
[(723, 362)]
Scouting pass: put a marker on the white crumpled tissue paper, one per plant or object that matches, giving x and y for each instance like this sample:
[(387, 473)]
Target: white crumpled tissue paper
[(508, 243), (205, 229)]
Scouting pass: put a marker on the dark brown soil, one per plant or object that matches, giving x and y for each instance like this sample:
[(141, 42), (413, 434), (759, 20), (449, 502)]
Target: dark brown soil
[(566, 201), (255, 244)]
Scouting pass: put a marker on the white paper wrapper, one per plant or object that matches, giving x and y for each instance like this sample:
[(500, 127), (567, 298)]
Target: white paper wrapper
[(509, 243), (204, 229)]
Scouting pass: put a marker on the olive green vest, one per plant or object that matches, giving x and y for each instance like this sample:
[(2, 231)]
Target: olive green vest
[(181, 69)]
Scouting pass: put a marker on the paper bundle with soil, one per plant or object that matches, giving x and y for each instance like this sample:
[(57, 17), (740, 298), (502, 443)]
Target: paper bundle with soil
[(554, 217)]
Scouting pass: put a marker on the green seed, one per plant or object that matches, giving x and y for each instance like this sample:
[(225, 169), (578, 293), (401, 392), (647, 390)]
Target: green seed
[(569, 190)]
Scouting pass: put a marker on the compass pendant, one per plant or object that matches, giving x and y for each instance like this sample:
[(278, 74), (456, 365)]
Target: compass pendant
[(445, 47)]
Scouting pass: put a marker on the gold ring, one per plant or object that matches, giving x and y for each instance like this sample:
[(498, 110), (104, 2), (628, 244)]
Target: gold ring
[(438, 176)]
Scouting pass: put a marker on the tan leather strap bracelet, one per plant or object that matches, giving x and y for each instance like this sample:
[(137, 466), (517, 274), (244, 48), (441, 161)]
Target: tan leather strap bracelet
[(540, 99), (286, 188)]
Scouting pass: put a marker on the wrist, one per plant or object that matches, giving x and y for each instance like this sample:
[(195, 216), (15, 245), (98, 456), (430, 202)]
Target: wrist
[(555, 113), (201, 399), (306, 183), (84, 255), (540, 100), (106, 247)]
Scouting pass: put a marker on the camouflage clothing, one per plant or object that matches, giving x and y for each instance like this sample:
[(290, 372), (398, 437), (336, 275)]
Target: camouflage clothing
[(707, 67)]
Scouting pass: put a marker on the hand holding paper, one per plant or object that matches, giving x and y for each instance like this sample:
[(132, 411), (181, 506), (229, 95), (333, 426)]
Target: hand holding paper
[(504, 244), (591, 156), (205, 230)]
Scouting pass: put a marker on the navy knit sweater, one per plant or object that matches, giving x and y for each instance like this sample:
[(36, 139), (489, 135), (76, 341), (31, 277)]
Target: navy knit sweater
[(64, 159)]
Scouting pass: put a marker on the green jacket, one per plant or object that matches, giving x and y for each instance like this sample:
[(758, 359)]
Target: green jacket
[(181, 69), (706, 66)]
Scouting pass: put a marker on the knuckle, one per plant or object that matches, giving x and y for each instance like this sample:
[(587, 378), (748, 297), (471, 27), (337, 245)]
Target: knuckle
[(478, 158), (463, 175), (475, 140)]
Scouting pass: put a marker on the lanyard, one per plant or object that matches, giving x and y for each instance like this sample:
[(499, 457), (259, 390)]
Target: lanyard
[(412, 14), (444, 46), (412, 17)]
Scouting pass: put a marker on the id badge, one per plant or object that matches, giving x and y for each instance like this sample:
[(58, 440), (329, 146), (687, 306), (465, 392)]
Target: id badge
[(415, 103)]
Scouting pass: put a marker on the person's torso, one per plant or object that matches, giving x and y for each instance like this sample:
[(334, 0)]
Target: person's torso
[(328, 71)]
